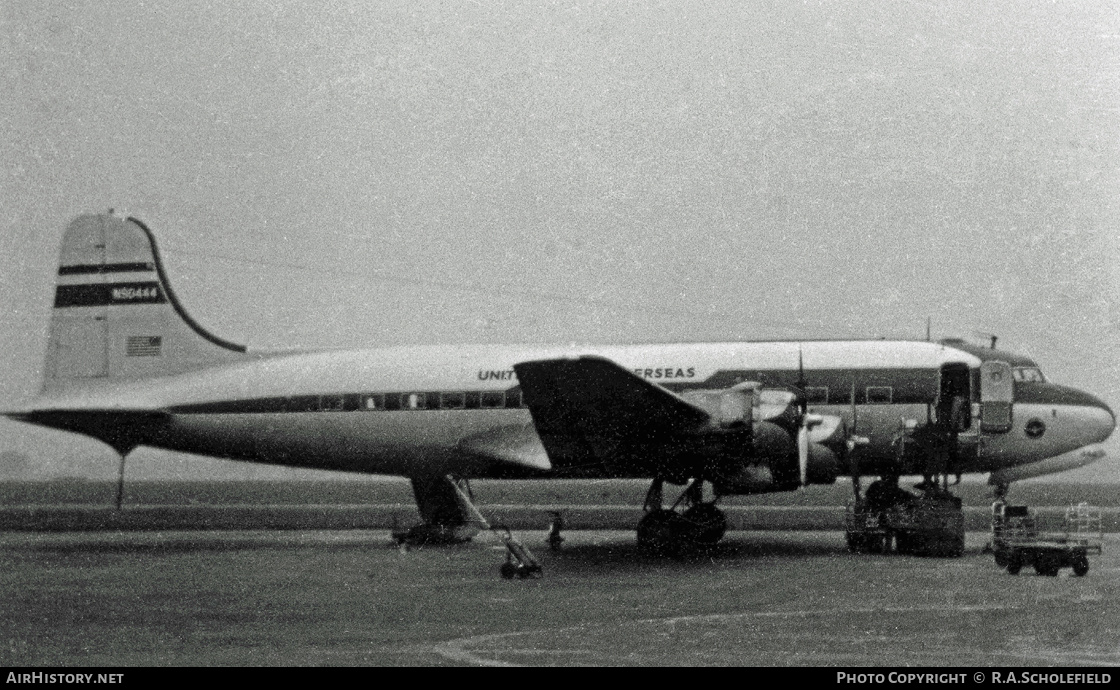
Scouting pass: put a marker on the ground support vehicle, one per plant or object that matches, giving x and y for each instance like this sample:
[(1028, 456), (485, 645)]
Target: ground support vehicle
[(928, 525), (1019, 539)]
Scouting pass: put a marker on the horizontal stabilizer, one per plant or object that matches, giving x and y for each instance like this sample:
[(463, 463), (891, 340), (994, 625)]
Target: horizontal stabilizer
[(594, 397), (122, 429)]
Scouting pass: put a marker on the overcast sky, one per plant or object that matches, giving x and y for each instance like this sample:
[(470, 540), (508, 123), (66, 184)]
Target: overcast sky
[(356, 174)]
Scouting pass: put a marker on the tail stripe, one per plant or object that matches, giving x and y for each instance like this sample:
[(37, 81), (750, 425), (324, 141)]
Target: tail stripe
[(107, 294), (105, 268)]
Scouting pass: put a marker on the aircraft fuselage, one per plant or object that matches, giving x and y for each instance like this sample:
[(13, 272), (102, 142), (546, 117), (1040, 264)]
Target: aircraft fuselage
[(407, 410)]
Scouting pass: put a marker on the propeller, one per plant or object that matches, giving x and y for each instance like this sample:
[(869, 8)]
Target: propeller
[(803, 426), (851, 442), (807, 421), (817, 428), (803, 451)]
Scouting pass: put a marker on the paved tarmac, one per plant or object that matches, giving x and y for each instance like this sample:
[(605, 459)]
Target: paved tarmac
[(201, 598)]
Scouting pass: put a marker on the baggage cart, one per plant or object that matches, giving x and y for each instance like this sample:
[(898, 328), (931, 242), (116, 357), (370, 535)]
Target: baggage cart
[(1047, 543)]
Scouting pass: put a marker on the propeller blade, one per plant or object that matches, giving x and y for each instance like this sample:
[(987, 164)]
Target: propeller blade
[(854, 412), (803, 452), (850, 445)]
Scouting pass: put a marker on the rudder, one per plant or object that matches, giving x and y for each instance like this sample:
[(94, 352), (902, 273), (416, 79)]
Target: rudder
[(114, 314)]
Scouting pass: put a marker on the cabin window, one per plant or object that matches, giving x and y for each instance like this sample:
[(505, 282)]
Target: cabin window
[(331, 403), (304, 403), (816, 395), (513, 398), (879, 395), (493, 399), (1028, 374), (414, 401), (452, 401), (373, 402)]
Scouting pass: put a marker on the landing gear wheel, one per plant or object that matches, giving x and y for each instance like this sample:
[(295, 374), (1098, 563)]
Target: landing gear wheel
[(952, 546), (1080, 566), (1014, 564), (706, 524), (904, 543), (853, 546), (958, 547), (508, 570), (658, 532), (878, 544)]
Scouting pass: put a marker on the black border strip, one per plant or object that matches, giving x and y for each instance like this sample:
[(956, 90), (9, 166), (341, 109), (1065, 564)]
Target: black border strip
[(87, 269), (220, 342)]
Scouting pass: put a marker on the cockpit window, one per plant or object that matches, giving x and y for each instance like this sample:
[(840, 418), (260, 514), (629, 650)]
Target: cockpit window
[(1028, 374)]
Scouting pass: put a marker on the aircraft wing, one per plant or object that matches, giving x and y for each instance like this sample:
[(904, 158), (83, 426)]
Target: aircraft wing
[(593, 396), (516, 446), (591, 412)]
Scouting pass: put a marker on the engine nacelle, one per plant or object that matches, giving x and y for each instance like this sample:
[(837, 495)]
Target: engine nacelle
[(729, 407), (771, 462), (823, 466), (773, 465)]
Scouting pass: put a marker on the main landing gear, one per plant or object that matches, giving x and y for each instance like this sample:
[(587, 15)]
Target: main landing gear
[(450, 517), (679, 534)]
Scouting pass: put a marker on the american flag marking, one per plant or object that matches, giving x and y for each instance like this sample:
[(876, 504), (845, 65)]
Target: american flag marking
[(143, 346)]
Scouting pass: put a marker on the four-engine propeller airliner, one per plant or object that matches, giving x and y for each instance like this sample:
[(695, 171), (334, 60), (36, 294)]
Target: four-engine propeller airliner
[(126, 364)]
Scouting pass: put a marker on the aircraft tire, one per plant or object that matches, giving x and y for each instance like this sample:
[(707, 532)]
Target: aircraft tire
[(876, 544), (1081, 565), (917, 544), (903, 543), (659, 533), (855, 543), (508, 570), (951, 545), (958, 547), (705, 524), (858, 543)]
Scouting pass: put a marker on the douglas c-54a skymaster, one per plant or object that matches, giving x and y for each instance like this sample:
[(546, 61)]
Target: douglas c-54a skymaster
[(126, 364)]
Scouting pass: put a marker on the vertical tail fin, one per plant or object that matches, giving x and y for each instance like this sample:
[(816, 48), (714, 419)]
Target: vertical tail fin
[(115, 316)]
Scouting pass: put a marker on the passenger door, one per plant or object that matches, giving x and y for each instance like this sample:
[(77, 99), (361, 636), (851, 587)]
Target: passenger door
[(996, 397)]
